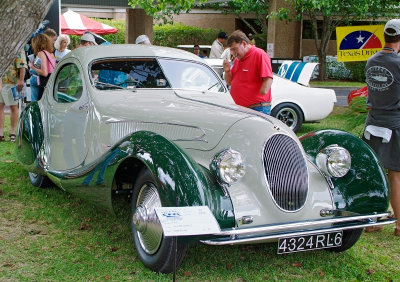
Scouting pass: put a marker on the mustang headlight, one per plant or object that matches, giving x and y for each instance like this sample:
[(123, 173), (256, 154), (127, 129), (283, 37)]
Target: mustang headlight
[(334, 161), (229, 166)]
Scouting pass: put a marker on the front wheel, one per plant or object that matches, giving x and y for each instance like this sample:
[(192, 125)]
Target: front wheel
[(39, 180), (350, 237), (154, 250), (290, 114)]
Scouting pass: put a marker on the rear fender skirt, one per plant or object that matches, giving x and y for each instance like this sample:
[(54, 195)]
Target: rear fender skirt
[(179, 179), (364, 189)]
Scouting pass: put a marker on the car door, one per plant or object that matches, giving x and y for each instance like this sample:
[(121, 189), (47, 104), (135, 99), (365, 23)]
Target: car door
[(67, 113)]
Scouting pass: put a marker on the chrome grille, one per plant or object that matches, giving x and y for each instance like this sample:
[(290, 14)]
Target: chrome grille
[(286, 172)]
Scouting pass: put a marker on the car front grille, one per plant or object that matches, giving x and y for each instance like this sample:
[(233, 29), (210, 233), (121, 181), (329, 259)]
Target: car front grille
[(286, 172)]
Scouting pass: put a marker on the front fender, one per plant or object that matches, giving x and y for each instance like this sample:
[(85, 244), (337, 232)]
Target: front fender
[(181, 180), (364, 189), (30, 135)]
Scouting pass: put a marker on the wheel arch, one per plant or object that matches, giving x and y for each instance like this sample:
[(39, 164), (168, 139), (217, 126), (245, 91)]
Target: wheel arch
[(178, 177)]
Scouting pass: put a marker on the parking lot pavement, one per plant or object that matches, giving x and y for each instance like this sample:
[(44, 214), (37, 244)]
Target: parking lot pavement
[(341, 94)]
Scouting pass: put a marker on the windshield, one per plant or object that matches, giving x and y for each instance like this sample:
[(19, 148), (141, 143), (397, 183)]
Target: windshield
[(191, 75)]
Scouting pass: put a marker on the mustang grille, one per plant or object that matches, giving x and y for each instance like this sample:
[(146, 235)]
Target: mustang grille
[(286, 172)]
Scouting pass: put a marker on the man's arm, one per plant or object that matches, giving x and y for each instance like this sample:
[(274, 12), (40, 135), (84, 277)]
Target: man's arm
[(20, 83), (266, 85)]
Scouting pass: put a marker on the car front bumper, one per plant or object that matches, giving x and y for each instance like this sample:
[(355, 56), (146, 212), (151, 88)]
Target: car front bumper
[(273, 232)]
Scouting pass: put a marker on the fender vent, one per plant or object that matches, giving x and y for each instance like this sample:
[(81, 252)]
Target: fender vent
[(286, 172)]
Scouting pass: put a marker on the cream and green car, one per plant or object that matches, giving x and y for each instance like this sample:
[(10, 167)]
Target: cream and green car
[(159, 126)]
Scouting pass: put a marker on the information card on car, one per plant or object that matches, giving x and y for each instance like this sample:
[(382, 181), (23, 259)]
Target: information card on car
[(187, 221)]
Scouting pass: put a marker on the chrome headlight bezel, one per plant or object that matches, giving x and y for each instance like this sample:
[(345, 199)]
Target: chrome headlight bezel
[(228, 166), (334, 161)]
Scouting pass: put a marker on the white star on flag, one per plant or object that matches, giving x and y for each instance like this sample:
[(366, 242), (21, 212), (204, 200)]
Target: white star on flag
[(360, 39)]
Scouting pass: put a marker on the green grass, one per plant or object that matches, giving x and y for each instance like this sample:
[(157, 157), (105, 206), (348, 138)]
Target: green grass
[(49, 235), (336, 83)]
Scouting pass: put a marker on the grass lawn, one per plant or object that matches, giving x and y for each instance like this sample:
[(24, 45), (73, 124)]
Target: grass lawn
[(49, 235), (336, 83)]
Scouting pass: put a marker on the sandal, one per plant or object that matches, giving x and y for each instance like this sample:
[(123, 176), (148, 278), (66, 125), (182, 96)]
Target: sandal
[(12, 137), (2, 139)]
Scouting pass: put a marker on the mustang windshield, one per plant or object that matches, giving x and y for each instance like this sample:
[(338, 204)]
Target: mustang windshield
[(189, 75)]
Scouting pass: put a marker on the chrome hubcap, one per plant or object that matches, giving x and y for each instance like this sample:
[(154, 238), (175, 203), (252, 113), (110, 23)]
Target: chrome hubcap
[(288, 116), (147, 226)]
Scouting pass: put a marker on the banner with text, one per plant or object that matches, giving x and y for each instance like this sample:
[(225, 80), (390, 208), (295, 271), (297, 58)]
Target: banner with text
[(358, 43)]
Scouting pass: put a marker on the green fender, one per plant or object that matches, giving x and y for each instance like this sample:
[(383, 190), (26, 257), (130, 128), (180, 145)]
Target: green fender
[(179, 178), (364, 189), (30, 134)]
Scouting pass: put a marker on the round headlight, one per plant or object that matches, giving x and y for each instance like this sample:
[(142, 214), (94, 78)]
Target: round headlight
[(229, 166), (334, 161)]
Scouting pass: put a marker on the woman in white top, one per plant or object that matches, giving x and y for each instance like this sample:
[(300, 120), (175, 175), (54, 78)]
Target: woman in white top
[(61, 45)]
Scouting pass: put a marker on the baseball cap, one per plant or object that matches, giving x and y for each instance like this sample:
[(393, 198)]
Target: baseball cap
[(393, 24), (222, 35), (89, 37)]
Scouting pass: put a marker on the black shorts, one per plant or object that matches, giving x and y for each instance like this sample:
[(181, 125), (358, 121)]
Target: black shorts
[(388, 153)]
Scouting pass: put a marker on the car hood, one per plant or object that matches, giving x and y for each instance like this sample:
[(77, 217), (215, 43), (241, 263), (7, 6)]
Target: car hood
[(194, 120)]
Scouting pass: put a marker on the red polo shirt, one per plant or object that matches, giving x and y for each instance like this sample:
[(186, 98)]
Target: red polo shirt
[(247, 75)]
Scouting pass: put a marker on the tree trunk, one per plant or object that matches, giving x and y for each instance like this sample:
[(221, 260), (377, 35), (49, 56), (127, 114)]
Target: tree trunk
[(19, 19)]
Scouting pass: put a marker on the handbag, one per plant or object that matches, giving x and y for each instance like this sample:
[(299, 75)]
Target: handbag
[(43, 79)]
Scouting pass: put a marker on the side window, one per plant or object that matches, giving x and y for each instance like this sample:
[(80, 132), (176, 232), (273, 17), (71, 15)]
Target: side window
[(128, 73), (68, 87)]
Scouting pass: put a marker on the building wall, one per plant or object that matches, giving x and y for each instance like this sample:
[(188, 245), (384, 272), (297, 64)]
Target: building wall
[(309, 47), (209, 19)]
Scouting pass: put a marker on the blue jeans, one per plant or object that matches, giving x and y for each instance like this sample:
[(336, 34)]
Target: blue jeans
[(266, 109), (34, 88)]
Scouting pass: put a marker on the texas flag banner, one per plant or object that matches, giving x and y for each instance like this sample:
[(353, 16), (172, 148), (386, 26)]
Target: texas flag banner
[(358, 43)]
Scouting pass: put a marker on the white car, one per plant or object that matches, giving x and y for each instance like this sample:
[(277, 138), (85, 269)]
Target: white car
[(156, 128), (294, 102)]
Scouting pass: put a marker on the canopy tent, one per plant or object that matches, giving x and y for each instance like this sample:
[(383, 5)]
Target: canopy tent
[(76, 24)]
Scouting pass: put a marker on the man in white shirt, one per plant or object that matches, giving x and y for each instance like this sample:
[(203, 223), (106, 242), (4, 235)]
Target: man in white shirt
[(217, 48)]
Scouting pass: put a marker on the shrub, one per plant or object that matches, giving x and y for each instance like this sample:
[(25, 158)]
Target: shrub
[(172, 35), (357, 70), (166, 35)]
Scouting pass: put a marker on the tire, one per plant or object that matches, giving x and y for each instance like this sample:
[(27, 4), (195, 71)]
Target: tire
[(350, 237), (39, 180), (154, 250), (290, 114)]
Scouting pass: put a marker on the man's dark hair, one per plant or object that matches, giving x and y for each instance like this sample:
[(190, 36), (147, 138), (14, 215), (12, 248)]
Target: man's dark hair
[(237, 36), (196, 46), (391, 39), (222, 35)]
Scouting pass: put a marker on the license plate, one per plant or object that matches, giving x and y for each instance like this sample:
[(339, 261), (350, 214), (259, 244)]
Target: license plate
[(310, 242)]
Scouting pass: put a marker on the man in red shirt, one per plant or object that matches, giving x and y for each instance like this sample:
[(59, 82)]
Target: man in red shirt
[(251, 75)]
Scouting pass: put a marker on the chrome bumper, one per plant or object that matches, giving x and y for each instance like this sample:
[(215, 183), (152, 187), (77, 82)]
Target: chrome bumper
[(271, 232)]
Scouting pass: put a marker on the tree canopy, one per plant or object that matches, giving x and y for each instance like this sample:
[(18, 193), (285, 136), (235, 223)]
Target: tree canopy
[(334, 13)]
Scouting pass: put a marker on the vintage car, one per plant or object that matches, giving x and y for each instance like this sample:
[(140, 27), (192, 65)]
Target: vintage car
[(293, 100), (158, 125)]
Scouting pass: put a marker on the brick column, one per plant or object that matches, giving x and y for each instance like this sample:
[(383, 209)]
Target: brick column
[(137, 23)]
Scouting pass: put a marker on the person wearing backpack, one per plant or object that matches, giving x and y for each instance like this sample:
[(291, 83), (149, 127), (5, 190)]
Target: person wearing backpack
[(43, 49)]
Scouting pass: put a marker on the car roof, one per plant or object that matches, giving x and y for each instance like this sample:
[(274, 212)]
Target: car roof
[(191, 46), (88, 54)]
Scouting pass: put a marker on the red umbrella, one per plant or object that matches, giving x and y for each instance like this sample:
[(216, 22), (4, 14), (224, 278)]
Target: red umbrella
[(74, 23)]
